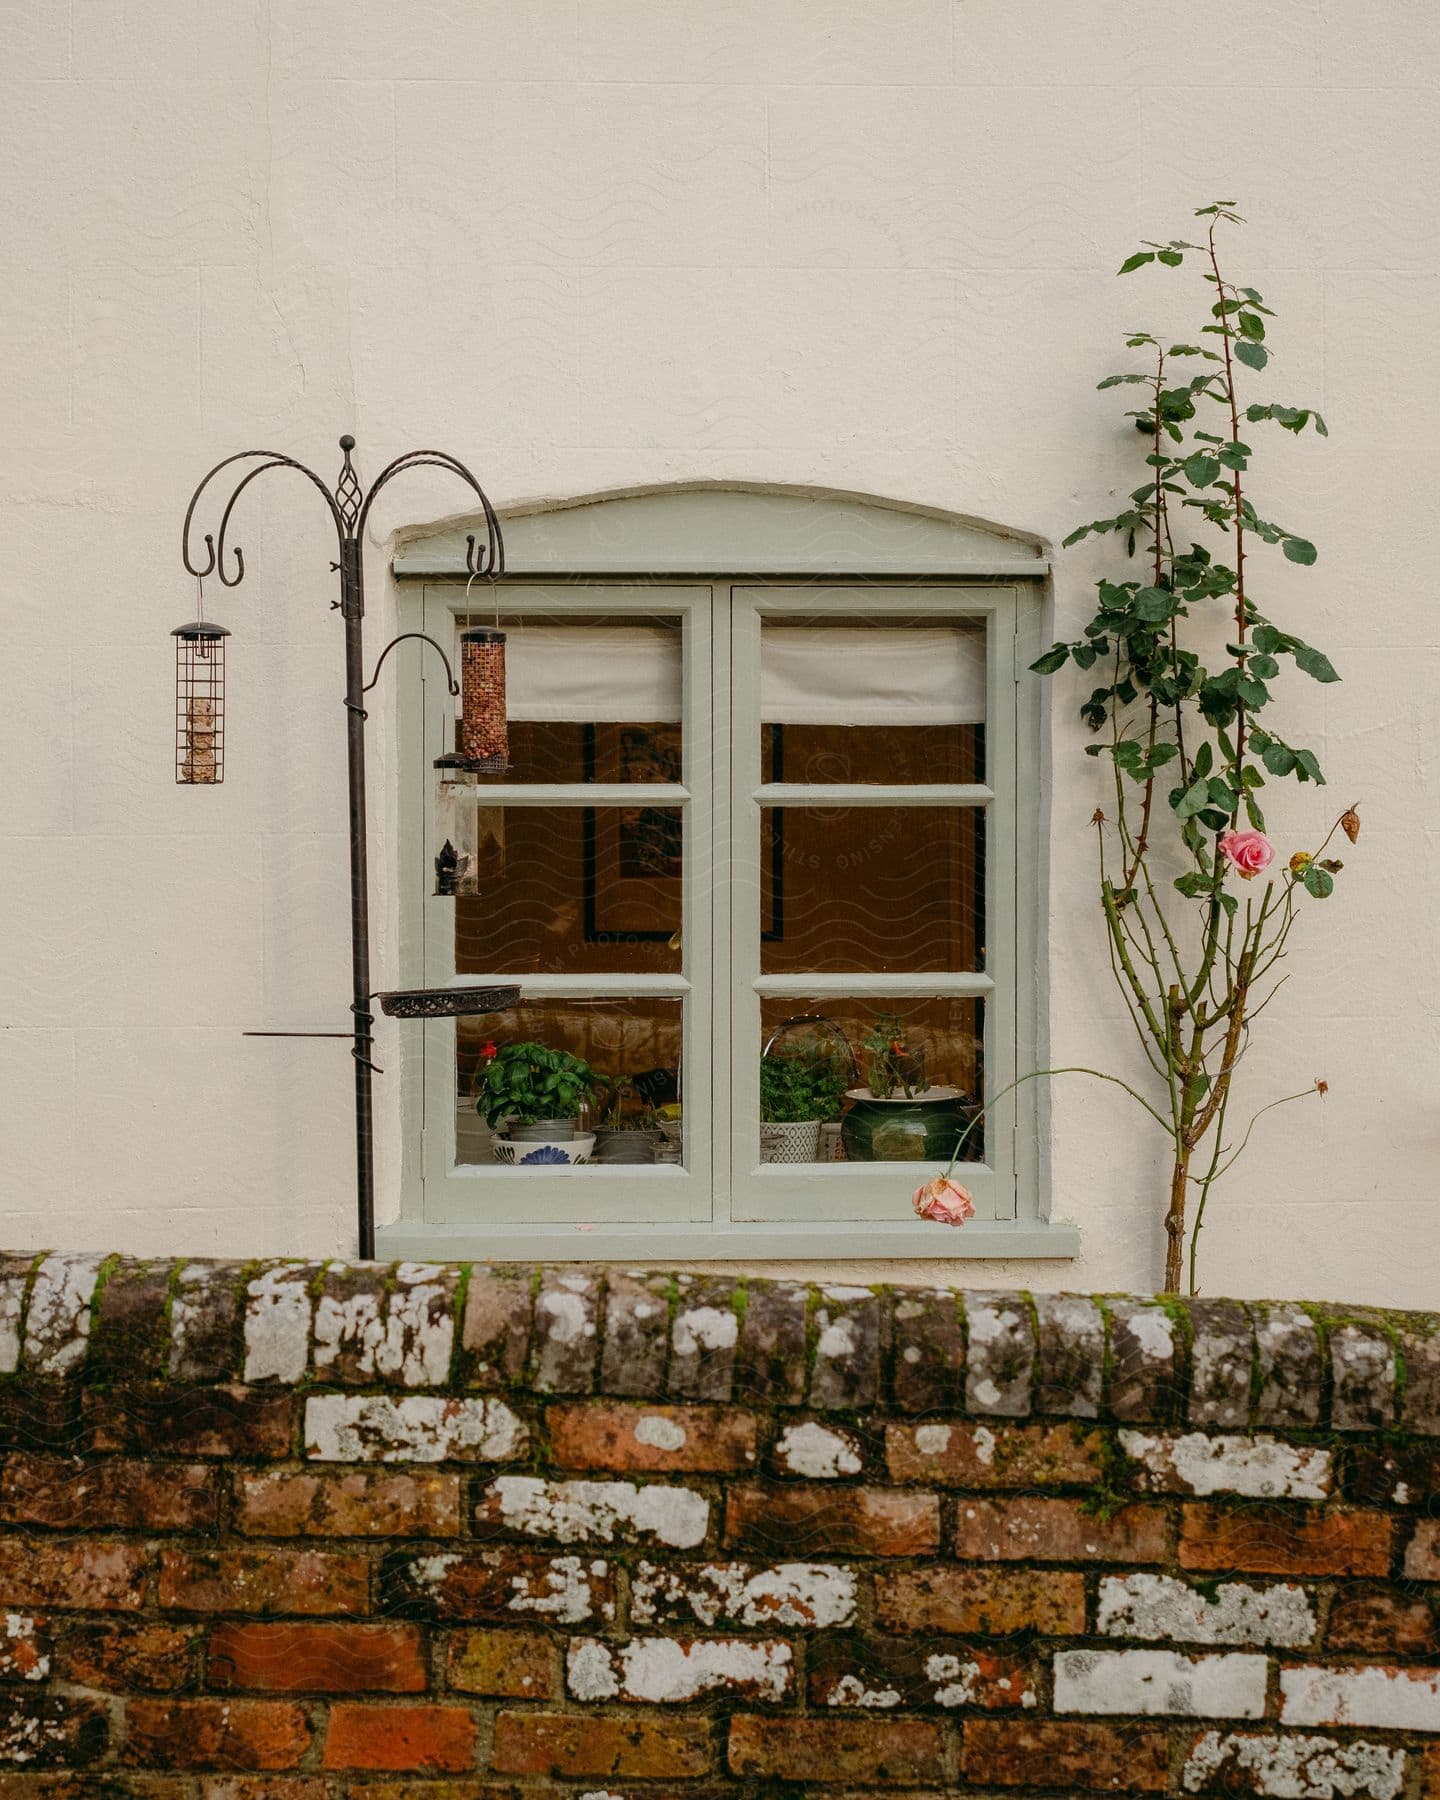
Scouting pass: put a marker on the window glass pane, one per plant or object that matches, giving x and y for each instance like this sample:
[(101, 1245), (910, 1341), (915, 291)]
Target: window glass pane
[(570, 890), (632, 1047), (872, 889), (590, 698), (859, 1080), (872, 700)]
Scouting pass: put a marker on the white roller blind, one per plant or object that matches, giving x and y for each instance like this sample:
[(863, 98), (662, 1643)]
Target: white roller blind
[(593, 673), (809, 675), (872, 675)]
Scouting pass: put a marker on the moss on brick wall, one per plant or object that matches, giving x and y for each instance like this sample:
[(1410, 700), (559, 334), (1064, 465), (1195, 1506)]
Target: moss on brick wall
[(297, 1531)]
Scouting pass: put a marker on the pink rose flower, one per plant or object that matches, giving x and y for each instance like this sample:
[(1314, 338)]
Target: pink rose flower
[(944, 1202), (1247, 851)]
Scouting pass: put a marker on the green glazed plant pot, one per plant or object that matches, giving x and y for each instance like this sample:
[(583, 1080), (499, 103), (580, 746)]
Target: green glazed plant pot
[(922, 1129)]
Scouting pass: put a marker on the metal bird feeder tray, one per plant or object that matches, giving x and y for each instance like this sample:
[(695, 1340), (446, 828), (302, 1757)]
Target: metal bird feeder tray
[(200, 702)]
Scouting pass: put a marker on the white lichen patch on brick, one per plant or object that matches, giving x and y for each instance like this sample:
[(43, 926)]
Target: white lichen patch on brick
[(1160, 1682), (191, 1308), (836, 1340), (815, 1595), (26, 1736), (1002, 1350), (12, 1300), (1392, 1699), (702, 1328), (659, 1432), (57, 1328), (412, 1341), (670, 1671), (1258, 1467), (934, 1440), (1153, 1330), (1295, 1768), (1165, 1609), (30, 1663), (598, 1511), (412, 1428), (277, 1325), (565, 1316), (818, 1452), (564, 1593), (843, 1294), (957, 1679), (850, 1690)]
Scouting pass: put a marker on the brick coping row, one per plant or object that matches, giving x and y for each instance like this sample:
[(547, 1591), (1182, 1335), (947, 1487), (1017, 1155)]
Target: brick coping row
[(650, 1334)]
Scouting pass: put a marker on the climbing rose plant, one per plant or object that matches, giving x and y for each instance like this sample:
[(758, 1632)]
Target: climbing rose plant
[(1197, 911)]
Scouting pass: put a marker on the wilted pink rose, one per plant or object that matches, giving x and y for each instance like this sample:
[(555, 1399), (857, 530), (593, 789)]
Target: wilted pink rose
[(944, 1202), (1247, 851)]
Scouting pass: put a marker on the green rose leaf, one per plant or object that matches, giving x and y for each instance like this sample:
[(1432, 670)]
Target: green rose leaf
[(1201, 470), (1300, 550), (1254, 356), (1193, 799), (1052, 660), (1314, 662), (1319, 882), (1137, 261)]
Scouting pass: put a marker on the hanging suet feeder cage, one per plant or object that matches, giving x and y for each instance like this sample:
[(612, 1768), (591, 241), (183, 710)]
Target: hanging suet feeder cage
[(200, 702)]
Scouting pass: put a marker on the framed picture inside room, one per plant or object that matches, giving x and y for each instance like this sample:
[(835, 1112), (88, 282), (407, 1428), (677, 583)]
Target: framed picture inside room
[(633, 855)]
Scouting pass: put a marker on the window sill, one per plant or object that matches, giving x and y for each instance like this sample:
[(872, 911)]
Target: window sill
[(988, 1239)]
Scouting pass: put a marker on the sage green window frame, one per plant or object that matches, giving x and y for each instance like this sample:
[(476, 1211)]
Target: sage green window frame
[(470, 1195), (648, 550), (877, 1193)]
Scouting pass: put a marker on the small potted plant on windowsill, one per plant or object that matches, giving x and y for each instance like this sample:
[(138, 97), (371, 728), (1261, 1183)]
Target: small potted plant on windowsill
[(531, 1097), (898, 1116), (802, 1086), (626, 1131)]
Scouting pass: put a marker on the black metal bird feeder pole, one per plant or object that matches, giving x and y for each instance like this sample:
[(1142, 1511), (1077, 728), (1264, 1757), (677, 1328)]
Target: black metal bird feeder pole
[(349, 506)]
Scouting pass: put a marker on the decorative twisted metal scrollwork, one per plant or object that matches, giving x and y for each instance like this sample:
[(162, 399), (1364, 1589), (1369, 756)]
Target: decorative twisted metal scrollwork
[(348, 504), (348, 493)]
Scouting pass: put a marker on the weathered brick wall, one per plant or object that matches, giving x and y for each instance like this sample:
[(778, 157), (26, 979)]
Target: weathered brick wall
[(309, 1531)]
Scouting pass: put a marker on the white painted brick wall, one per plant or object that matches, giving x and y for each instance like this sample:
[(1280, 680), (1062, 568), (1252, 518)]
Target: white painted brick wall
[(591, 246)]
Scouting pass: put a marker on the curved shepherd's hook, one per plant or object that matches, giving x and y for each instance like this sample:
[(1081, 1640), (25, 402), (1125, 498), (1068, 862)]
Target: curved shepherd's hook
[(349, 508), (215, 562), (489, 565)]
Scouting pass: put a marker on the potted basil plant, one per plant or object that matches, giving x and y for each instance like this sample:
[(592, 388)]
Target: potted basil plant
[(531, 1096)]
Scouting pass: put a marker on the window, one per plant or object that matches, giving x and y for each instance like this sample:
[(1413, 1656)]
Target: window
[(750, 826)]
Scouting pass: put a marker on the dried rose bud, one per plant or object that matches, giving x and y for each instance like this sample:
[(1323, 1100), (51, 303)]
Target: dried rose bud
[(1350, 824), (1321, 1087)]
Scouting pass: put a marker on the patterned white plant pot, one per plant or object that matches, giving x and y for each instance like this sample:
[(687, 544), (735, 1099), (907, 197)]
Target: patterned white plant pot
[(795, 1141), (522, 1153)]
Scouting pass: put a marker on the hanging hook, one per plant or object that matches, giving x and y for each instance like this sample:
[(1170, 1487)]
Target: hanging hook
[(424, 639)]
